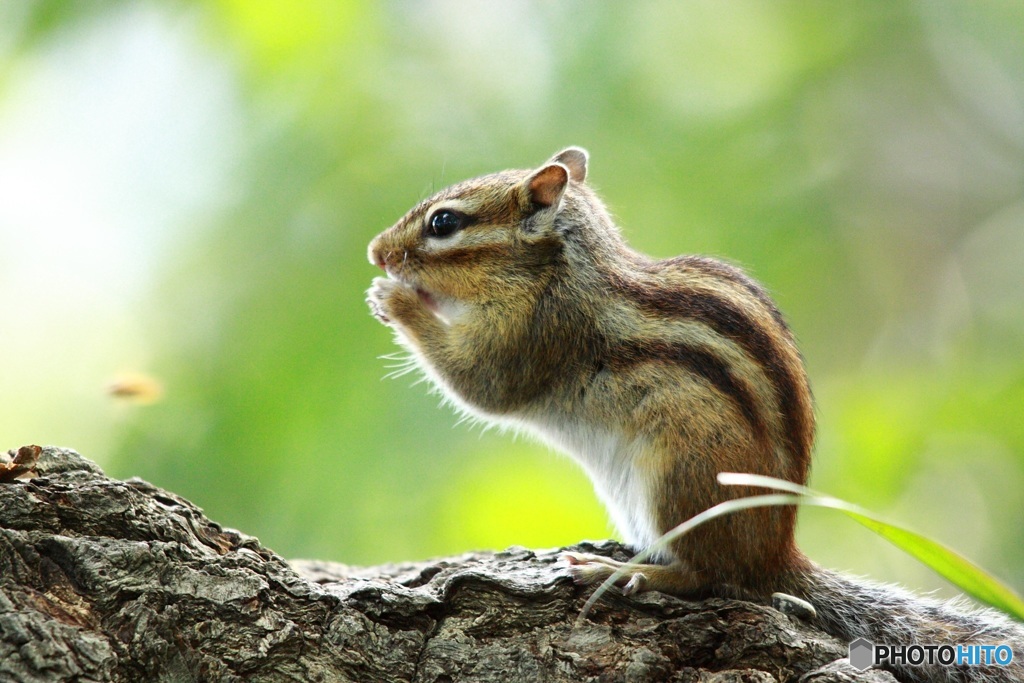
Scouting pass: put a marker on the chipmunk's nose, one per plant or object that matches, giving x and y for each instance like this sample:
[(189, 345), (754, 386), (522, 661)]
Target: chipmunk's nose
[(373, 253)]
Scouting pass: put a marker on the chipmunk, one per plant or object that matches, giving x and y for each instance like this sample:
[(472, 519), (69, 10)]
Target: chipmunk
[(519, 299)]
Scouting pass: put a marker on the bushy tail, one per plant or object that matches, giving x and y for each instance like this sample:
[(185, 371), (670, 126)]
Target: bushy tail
[(850, 608)]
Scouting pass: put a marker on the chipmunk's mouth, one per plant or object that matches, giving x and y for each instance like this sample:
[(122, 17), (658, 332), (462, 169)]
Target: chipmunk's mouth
[(393, 274), (425, 297), (445, 308), (428, 301)]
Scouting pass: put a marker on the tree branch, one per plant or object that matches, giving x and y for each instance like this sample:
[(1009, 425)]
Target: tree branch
[(105, 580)]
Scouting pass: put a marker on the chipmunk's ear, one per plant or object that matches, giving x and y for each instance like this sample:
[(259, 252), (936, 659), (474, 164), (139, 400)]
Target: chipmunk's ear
[(574, 159), (547, 185)]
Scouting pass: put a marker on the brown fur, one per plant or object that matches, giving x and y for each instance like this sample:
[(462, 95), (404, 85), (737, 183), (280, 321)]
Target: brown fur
[(555, 293), (655, 375)]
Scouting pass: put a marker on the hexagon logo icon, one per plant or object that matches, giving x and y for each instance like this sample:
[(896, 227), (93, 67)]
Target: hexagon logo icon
[(861, 654)]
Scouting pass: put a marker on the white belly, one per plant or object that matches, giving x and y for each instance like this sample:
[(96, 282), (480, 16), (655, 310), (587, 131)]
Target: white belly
[(612, 462)]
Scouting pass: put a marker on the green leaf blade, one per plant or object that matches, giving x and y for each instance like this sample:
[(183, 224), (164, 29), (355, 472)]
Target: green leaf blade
[(943, 560)]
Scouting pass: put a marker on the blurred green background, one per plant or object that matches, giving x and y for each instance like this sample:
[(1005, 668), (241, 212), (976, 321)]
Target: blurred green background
[(187, 190)]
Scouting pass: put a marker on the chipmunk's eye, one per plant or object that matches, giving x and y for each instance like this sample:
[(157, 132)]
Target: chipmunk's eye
[(444, 223)]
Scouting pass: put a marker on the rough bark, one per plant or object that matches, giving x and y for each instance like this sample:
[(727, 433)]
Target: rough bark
[(105, 580)]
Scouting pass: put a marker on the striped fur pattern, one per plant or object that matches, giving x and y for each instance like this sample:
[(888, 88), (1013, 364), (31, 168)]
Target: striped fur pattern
[(654, 375)]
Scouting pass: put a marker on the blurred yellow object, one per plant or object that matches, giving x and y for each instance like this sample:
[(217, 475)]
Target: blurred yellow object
[(137, 388)]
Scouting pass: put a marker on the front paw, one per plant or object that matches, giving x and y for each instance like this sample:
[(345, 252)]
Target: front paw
[(392, 301), (379, 296)]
